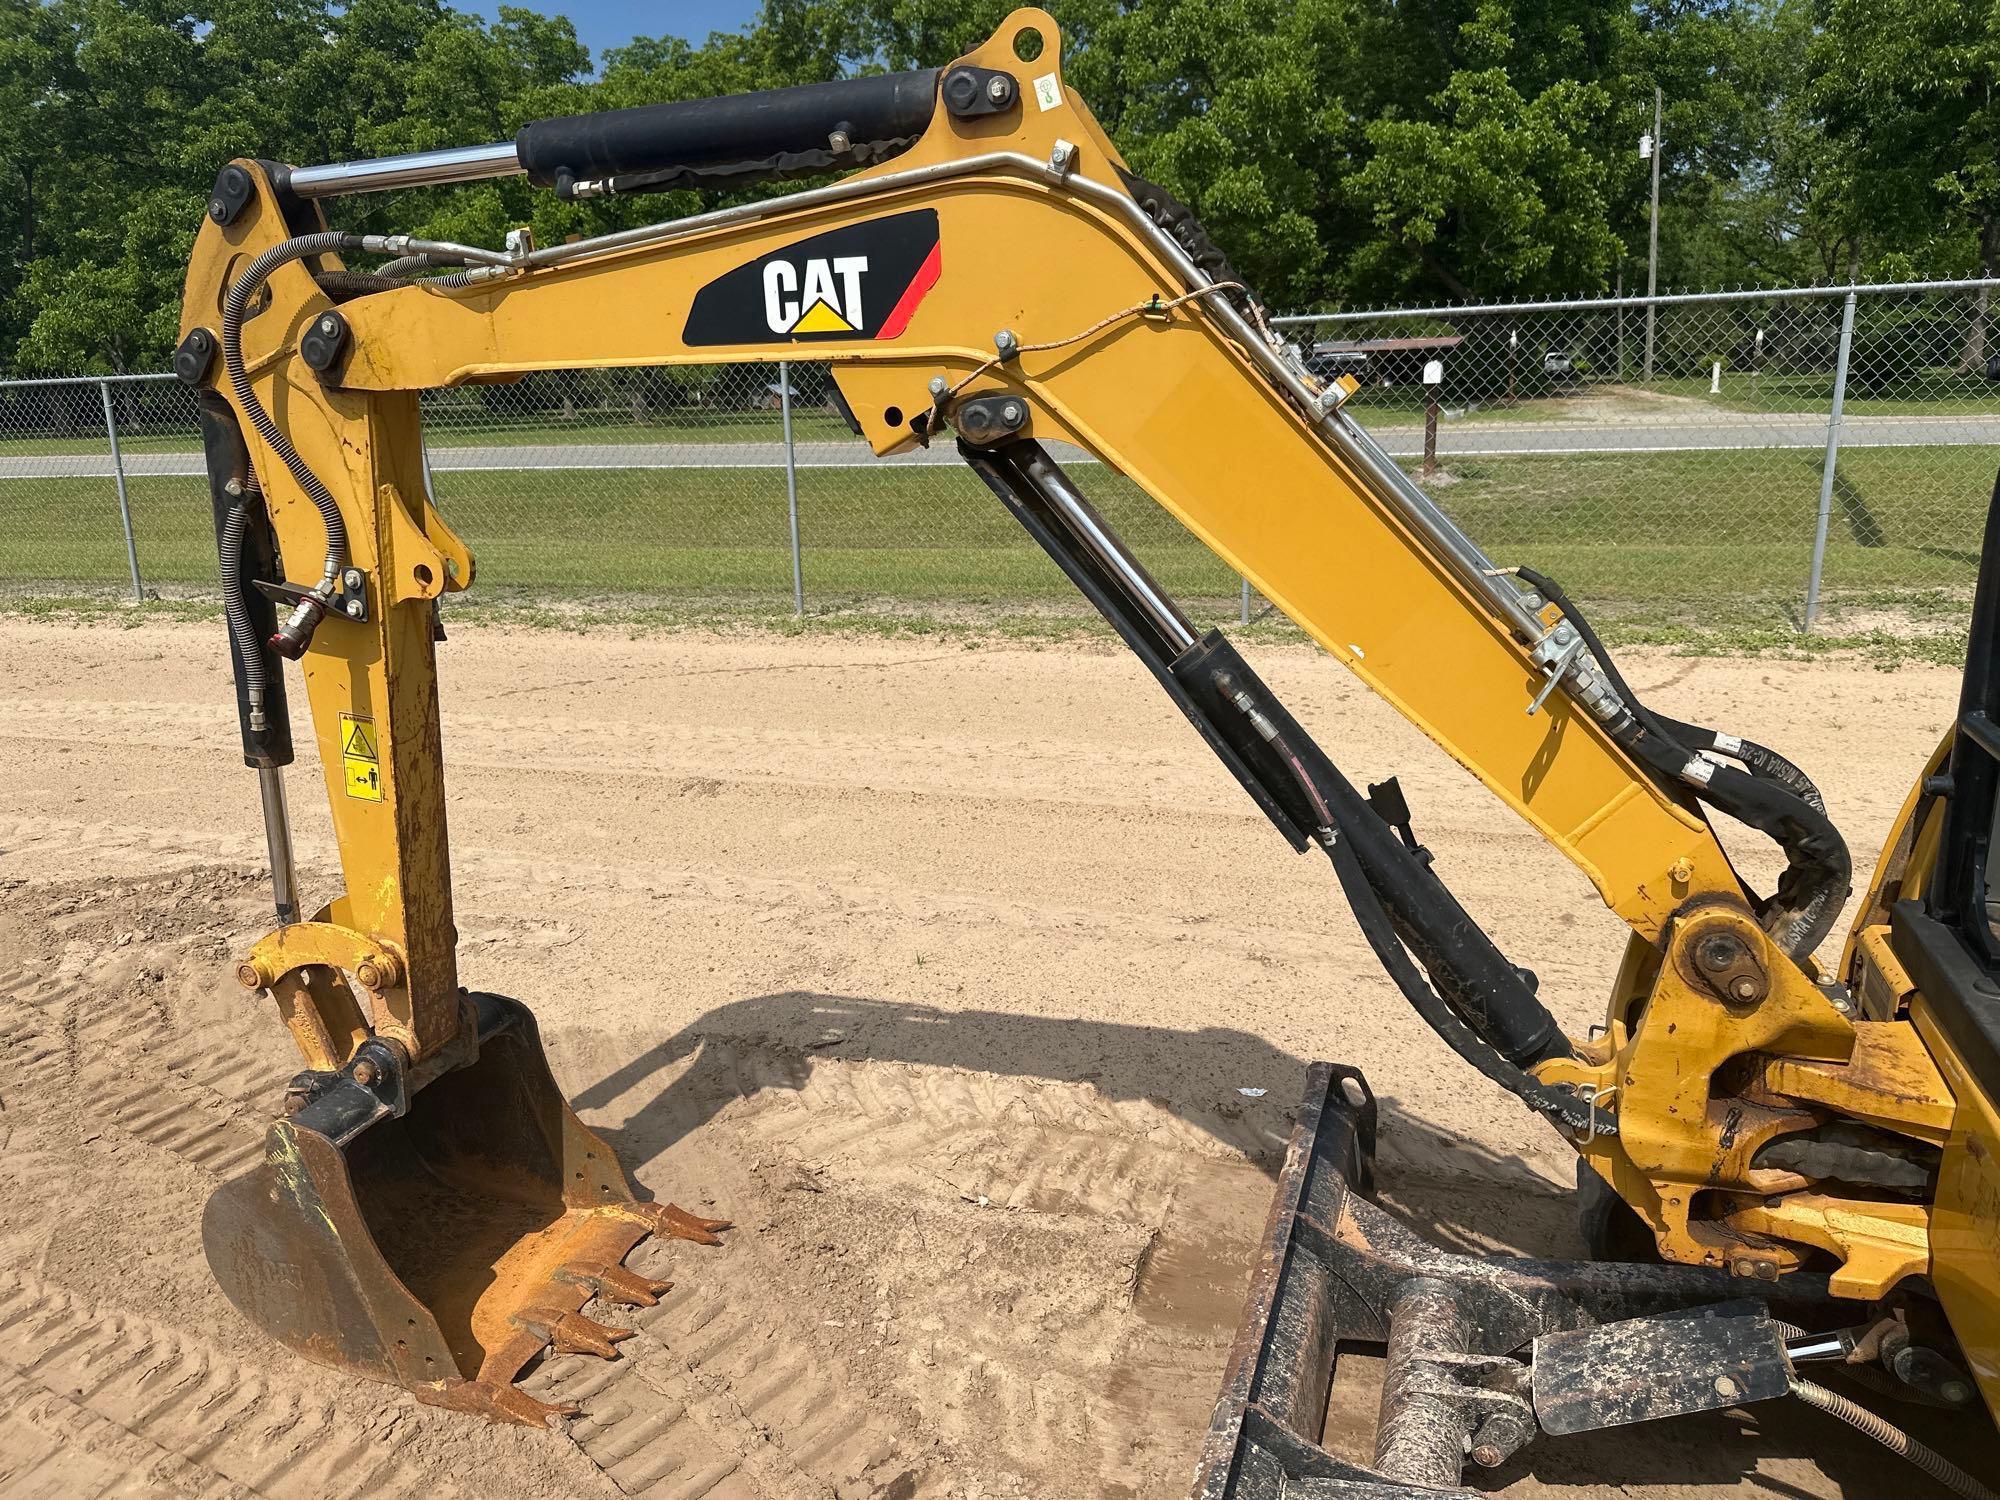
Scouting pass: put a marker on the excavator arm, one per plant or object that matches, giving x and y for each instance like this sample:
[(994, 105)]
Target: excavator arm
[(992, 276)]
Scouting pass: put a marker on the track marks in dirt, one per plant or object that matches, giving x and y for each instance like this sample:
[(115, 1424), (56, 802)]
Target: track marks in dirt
[(988, 1252), (716, 1400), (210, 1424), (199, 1100)]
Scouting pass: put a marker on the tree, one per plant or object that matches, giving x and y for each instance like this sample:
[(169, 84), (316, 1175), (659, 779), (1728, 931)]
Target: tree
[(1906, 87), (1496, 193)]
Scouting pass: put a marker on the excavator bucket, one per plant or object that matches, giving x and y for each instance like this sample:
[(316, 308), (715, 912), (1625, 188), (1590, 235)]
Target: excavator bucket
[(439, 1238)]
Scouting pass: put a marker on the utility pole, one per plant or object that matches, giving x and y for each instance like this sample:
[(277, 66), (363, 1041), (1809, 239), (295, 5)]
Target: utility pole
[(1653, 234)]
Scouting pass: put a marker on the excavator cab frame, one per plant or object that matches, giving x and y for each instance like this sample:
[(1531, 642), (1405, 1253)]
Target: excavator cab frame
[(990, 273)]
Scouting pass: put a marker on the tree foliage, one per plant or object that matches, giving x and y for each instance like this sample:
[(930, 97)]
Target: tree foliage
[(1338, 149)]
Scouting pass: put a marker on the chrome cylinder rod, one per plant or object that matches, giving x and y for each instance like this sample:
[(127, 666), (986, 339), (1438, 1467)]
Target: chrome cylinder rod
[(418, 169), (278, 840), (1107, 548)]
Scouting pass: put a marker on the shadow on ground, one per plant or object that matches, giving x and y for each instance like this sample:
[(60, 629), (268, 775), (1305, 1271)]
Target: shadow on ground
[(1462, 1192)]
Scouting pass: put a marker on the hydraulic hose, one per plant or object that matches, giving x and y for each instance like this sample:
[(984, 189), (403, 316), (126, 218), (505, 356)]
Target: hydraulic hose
[(1496, 1030), (1897, 1441), (1771, 795), (297, 629)]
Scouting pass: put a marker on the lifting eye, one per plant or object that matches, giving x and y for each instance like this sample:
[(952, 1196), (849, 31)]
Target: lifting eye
[(1027, 44)]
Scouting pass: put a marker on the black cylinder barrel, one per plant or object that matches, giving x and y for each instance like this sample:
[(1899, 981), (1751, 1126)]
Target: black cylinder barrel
[(746, 131)]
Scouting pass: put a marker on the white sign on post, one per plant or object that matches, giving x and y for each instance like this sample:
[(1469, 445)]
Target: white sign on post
[(1433, 372)]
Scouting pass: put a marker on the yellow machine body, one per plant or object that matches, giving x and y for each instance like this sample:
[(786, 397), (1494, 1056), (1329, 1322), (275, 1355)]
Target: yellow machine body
[(1121, 346)]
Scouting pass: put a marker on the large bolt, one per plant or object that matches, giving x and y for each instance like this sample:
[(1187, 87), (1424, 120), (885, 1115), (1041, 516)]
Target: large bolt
[(999, 88), (377, 972), (364, 1072), (1744, 987), (250, 976)]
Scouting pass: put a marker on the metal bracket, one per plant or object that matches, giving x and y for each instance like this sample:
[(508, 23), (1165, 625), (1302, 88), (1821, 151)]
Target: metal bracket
[(324, 346), (986, 420), (350, 600), (970, 93), (1557, 669)]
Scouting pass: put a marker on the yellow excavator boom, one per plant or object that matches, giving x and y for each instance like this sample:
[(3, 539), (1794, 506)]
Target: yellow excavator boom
[(991, 275)]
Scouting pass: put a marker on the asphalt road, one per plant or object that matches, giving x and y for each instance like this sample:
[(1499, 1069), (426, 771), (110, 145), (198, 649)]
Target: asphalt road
[(1467, 439)]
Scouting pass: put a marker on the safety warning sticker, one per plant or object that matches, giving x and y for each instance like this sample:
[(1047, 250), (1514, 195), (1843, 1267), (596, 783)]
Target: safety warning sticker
[(360, 757)]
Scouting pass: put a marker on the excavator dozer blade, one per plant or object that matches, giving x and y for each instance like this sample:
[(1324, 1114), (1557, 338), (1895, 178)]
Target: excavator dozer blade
[(445, 1247)]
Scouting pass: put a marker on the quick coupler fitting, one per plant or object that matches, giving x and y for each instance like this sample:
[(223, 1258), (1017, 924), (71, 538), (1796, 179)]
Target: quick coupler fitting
[(290, 639)]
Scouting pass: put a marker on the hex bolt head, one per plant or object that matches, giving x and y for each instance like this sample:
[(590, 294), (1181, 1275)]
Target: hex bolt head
[(218, 210), (1011, 413), (354, 609), (364, 1072), (232, 487), (1743, 987), (1006, 343), (999, 88), (351, 578), (1726, 1387), (329, 324)]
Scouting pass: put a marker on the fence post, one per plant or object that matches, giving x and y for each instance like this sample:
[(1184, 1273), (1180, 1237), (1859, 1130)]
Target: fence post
[(1832, 458), (124, 502), (791, 486), (1245, 613)]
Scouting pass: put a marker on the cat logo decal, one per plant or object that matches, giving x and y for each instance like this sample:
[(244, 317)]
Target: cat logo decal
[(864, 281)]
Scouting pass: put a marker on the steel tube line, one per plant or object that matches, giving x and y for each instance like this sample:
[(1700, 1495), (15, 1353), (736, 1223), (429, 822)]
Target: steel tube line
[(418, 169), (1474, 568)]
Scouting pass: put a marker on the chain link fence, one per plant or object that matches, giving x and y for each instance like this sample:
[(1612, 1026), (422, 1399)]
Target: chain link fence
[(1734, 460), (1729, 461)]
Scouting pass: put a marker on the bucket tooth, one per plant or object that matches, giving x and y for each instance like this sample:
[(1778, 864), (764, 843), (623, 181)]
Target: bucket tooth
[(672, 1222), (573, 1333), (444, 1247), (496, 1402), (616, 1284)]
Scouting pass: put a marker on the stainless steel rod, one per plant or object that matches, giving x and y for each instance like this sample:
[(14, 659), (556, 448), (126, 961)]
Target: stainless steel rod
[(278, 840), (418, 169), (1110, 552)]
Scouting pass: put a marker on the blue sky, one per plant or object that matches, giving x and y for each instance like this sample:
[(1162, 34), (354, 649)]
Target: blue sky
[(601, 24)]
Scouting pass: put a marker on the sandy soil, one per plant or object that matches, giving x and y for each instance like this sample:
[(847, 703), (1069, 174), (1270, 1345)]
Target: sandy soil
[(945, 972)]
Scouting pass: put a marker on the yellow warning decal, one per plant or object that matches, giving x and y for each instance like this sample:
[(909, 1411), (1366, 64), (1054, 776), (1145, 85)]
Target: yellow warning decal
[(360, 757)]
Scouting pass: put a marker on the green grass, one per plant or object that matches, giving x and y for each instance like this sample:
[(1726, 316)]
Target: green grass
[(1677, 547)]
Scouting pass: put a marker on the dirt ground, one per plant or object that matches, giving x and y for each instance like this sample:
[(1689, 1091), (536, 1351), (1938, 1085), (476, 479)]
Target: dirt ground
[(963, 980)]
